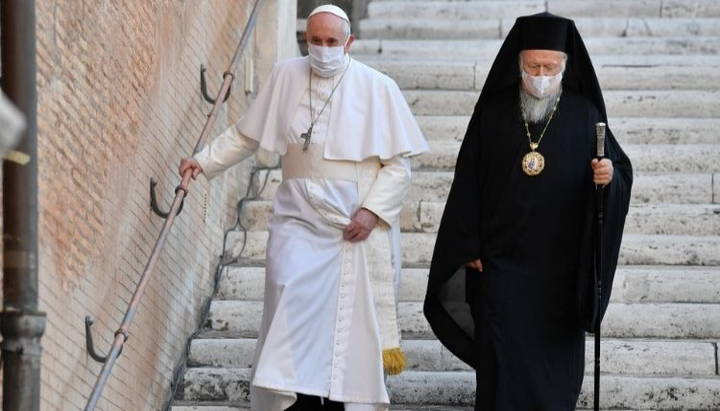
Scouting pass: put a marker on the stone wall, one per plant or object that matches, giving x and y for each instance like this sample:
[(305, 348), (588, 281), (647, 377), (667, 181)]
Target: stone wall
[(118, 103)]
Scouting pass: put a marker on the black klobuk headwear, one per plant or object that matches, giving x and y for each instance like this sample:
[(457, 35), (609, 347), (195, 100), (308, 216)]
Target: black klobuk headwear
[(545, 31)]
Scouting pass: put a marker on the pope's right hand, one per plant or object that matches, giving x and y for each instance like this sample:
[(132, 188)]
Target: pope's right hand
[(190, 164), (476, 265)]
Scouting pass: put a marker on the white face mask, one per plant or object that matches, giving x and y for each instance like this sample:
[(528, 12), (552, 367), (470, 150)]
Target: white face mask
[(327, 61), (541, 86)]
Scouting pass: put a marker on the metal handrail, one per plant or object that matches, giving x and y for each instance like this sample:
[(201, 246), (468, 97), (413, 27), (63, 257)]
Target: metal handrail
[(121, 335)]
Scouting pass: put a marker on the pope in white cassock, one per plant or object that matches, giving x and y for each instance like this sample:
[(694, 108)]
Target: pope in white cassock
[(345, 133)]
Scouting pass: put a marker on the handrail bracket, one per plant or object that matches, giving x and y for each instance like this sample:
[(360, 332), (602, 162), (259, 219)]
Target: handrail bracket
[(90, 344), (203, 85), (154, 203)]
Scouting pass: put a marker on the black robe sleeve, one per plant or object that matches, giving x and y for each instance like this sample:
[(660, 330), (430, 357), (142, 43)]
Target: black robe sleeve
[(458, 242)]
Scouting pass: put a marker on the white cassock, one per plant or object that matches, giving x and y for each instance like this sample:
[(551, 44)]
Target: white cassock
[(329, 307)]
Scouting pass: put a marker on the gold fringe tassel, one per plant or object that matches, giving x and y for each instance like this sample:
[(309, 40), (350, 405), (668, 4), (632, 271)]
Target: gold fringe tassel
[(394, 360)]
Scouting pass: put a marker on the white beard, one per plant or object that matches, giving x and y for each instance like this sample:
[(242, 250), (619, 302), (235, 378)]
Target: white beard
[(537, 110)]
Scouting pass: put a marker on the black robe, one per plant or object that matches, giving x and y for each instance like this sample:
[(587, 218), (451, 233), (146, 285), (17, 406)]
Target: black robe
[(520, 323)]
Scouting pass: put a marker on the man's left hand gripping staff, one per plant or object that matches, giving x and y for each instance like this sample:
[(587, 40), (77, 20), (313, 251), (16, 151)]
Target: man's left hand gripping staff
[(360, 226), (602, 171)]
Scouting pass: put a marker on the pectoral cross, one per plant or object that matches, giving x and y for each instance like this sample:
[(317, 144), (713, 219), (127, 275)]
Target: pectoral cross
[(306, 136)]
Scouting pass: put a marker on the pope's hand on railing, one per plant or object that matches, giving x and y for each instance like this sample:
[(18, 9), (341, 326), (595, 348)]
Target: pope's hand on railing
[(192, 164)]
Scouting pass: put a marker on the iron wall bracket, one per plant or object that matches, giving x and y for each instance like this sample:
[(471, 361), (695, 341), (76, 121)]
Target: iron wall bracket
[(90, 344), (154, 203), (203, 86)]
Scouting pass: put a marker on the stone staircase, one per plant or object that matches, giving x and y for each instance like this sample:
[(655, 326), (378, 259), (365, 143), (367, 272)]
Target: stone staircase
[(658, 64)]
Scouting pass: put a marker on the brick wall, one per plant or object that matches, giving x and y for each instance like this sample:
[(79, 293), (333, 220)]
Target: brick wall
[(119, 103)]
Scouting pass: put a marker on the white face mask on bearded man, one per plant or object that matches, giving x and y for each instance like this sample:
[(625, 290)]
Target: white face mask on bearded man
[(541, 86)]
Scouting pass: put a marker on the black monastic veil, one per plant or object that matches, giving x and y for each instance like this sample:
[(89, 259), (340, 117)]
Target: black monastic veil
[(521, 322)]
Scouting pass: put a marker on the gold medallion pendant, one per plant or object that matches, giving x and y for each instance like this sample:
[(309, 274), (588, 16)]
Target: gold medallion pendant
[(533, 163)]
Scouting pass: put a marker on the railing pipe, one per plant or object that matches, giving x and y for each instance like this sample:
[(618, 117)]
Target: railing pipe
[(228, 77), (121, 335)]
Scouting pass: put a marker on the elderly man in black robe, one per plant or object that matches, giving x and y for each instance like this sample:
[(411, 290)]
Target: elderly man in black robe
[(512, 286)]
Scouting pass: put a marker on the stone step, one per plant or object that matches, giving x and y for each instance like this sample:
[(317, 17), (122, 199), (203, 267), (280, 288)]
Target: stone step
[(658, 103), (430, 29), (633, 284), (460, 9), (652, 158), (455, 10), (215, 384), (458, 388), (681, 219), (471, 75), (484, 28), (617, 392), (617, 356), (487, 49), (645, 320), (645, 8), (601, 61), (424, 217), (679, 188), (637, 249), (627, 130)]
